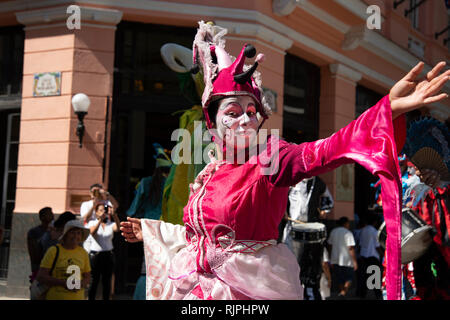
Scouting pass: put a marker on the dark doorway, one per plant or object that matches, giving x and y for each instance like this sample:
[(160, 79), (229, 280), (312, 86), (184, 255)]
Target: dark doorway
[(9, 150), (146, 95), (11, 66), (301, 100), (364, 193)]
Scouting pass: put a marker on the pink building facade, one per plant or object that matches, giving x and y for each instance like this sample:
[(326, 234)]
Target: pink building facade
[(323, 65)]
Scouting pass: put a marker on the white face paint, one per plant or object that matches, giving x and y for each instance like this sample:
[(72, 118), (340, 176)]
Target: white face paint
[(236, 121)]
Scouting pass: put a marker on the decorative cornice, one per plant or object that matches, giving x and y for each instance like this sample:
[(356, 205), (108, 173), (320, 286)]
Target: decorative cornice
[(256, 42), (388, 50), (58, 14), (256, 31), (357, 7), (325, 17), (379, 45), (343, 71)]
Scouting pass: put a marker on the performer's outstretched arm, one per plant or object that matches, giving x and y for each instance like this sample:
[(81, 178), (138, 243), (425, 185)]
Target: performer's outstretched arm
[(370, 141)]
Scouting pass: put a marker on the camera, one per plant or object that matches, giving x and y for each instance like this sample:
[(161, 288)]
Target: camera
[(96, 193), (107, 213)]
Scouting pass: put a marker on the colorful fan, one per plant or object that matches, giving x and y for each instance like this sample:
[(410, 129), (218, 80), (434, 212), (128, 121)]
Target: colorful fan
[(427, 146)]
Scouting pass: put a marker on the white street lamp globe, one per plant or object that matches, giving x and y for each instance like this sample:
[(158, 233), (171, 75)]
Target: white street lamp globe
[(80, 102)]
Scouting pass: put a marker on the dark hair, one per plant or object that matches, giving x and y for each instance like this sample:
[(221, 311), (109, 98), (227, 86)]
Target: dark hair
[(100, 204), (44, 211), (95, 185), (213, 107), (342, 221), (63, 219), (372, 219), (156, 185)]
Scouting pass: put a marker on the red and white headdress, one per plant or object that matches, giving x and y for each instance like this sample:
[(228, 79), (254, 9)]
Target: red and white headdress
[(223, 75)]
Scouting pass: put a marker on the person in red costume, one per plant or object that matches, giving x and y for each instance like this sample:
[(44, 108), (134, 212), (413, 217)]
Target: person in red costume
[(432, 270), (227, 248)]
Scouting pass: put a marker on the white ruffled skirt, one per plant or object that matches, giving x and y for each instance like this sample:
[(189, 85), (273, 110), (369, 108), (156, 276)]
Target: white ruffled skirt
[(270, 273)]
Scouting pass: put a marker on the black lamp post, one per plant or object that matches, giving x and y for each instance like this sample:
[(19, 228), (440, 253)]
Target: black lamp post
[(80, 104)]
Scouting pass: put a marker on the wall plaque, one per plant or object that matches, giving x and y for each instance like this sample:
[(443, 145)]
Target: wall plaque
[(47, 84)]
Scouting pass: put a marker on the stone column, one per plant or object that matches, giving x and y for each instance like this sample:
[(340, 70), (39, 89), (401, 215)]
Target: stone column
[(52, 170), (337, 109)]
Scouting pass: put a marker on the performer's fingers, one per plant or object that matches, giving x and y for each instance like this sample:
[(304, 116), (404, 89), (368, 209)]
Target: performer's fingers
[(128, 236), (438, 83), (127, 230), (126, 227), (437, 98), (130, 239), (437, 79), (134, 220), (414, 72), (435, 71)]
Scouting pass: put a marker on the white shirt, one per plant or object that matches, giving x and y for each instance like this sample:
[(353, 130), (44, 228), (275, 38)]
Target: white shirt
[(299, 199), (86, 206), (341, 239), (326, 258), (102, 239), (368, 242), (84, 209)]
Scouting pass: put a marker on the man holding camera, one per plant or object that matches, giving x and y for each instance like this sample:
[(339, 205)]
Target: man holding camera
[(87, 211), (102, 231), (98, 195)]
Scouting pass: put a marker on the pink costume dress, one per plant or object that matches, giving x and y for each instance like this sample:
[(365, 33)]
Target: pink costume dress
[(227, 248)]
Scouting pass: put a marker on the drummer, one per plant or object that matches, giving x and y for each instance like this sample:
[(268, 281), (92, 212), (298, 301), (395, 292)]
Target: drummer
[(432, 269), (308, 201)]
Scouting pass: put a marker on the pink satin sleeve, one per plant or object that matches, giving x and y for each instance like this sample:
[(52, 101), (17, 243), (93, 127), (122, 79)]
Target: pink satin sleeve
[(370, 141)]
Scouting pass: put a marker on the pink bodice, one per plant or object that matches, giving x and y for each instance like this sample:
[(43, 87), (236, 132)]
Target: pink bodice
[(231, 203)]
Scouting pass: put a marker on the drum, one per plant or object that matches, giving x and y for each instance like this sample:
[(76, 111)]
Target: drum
[(416, 236), (312, 232)]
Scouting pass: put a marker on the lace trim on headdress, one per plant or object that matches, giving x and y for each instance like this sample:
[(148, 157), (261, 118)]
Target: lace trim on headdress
[(206, 36), (212, 35)]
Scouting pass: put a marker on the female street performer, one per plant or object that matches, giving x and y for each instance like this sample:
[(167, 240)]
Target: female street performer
[(227, 248)]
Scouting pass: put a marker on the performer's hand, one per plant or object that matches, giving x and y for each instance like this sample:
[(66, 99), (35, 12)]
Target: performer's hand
[(131, 230), (429, 177), (412, 93)]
